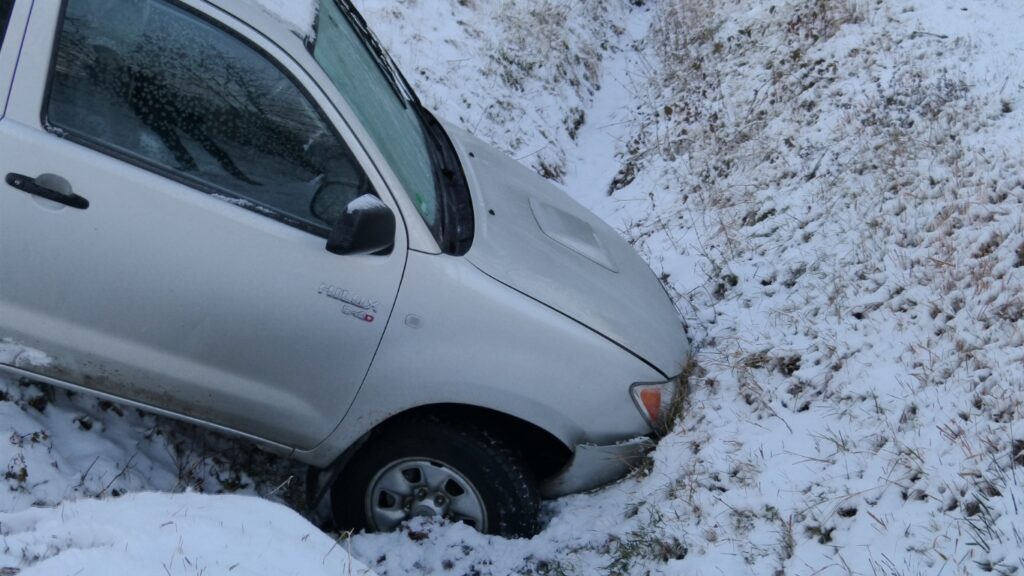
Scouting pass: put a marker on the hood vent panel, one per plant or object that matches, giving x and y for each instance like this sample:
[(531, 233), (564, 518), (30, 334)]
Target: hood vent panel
[(571, 232)]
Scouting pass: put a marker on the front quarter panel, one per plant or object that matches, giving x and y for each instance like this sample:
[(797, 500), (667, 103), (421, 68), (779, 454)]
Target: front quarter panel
[(458, 336)]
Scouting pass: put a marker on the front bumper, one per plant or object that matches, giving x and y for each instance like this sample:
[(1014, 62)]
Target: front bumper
[(593, 466)]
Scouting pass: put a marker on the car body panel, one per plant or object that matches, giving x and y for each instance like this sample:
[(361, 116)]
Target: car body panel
[(457, 336), (535, 238), (593, 465), (29, 371)]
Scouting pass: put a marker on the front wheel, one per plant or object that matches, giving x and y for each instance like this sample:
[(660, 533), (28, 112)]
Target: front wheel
[(430, 468)]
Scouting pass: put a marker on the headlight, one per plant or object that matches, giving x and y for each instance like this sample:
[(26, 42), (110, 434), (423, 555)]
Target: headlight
[(655, 401)]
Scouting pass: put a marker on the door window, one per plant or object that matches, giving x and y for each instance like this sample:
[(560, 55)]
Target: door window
[(159, 85), (6, 6)]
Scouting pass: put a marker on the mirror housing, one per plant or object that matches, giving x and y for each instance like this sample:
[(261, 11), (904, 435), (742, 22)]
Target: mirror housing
[(366, 226)]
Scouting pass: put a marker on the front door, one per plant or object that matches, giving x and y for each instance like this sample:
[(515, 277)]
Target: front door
[(159, 239)]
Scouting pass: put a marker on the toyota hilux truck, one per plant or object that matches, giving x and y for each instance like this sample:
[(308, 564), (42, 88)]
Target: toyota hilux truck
[(212, 216)]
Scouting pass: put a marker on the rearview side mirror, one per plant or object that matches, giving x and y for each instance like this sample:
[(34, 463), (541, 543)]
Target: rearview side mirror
[(365, 226)]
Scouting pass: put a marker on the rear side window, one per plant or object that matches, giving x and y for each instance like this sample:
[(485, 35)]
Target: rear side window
[(157, 84), (6, 6)]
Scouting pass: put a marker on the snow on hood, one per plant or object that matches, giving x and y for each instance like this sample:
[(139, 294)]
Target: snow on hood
[(154, 534)]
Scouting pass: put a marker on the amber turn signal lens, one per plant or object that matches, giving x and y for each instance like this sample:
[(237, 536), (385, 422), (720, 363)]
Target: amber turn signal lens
[(651, 399)]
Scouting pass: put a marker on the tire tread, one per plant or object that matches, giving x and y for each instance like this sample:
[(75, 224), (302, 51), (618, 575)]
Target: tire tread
[(514, 495)]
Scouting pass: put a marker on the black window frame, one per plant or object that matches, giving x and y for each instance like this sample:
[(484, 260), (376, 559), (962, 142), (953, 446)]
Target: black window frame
[(198, 184), (6, 9)]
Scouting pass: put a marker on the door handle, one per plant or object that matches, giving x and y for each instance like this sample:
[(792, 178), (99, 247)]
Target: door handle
[(50, 187)]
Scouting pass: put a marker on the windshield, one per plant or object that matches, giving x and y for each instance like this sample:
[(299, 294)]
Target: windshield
[(383, 106)]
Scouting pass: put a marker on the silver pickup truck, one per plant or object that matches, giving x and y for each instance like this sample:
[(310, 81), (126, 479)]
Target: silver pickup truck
[(215, 217)]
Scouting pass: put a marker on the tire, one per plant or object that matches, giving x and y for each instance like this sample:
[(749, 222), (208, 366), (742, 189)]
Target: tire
[(426, 467)]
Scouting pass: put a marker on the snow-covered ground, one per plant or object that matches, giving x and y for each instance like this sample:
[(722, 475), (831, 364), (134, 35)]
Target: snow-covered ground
[(72, 470), (834, 191), (187, 534)]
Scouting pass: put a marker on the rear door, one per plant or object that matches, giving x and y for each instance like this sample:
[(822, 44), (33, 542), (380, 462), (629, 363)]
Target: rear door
[(183, 264)]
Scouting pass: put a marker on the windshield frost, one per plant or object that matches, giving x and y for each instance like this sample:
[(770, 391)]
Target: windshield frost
[(391, 121)]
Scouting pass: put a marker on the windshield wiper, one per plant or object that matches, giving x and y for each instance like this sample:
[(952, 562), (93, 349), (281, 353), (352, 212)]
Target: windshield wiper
[(442, 173), (456, 210)]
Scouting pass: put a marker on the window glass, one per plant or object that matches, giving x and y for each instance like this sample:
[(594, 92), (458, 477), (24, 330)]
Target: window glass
[(153, 82), (391, 122), (6, 6)]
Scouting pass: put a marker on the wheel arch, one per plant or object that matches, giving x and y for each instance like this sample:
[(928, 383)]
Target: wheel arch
[(504, 457), (542, 452)]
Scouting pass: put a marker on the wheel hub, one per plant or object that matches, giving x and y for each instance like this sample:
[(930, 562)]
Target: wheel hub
[(416, 487), (427, 504)]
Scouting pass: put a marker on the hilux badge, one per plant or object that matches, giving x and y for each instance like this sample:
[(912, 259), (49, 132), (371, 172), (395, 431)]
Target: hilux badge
[(357, 306)]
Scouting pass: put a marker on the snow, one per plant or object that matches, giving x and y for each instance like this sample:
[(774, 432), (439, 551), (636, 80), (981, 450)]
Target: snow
[(59, 451), (364, 202), (20, 355), (299, 15), (833, 193), (185, 534), (236, 201)]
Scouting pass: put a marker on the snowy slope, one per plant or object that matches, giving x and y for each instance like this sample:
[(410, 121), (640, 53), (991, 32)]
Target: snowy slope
[(833, 189), (517, 73)]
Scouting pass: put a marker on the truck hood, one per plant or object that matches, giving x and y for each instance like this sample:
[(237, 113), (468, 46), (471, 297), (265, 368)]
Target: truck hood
[(534, 238)]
